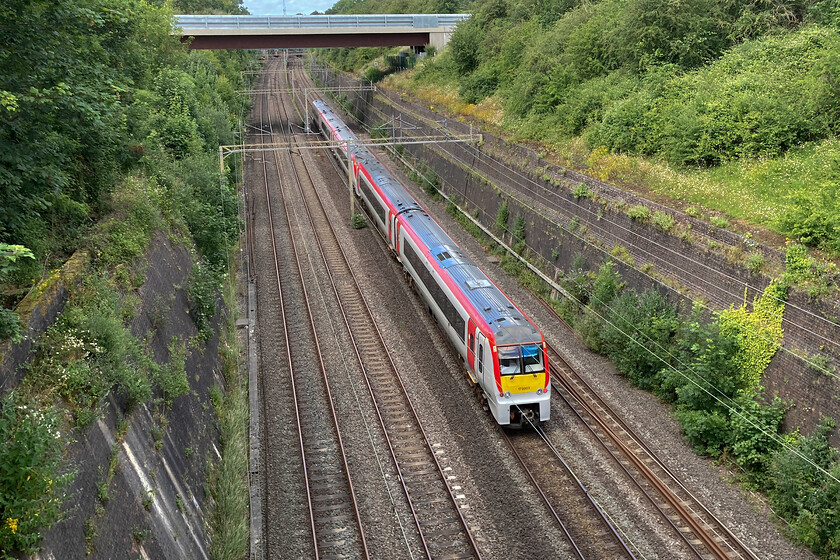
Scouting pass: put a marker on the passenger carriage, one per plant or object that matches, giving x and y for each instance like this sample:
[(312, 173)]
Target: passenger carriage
[(502, 349)]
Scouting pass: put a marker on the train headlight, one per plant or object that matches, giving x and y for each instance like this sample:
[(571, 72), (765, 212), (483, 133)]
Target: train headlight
[(507, 394), (539, 391)]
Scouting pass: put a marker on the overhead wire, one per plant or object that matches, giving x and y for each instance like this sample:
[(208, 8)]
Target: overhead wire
[(732, 408), (610, 256)]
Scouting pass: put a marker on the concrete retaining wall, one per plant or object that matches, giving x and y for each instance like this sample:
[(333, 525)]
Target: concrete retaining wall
[(156, 498)]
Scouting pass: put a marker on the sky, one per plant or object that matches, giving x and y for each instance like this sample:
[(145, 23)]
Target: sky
[(275, 7)]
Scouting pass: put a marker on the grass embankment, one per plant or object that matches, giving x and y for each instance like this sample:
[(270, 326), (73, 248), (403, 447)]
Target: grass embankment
[(757, 192), (229, 522), (748, 133)]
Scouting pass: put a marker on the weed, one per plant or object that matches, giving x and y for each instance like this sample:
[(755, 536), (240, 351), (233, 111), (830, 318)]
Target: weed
[(172, 377), (719, 221), (755, 262), (90, 535), (358, 220), (639, 213), (621, 253), (663, 220), (502, 216), (140, 535), (819, 363), (31, 476), (149, 499), (157, 436), (203, 290), (581, 190), (102, 493)]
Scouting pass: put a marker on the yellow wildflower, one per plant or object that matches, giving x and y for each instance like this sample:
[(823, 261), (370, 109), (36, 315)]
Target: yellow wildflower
[(12, 524)]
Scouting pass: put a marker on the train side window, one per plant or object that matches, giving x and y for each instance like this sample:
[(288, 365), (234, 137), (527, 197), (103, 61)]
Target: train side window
[(480, 358), (472, 343)]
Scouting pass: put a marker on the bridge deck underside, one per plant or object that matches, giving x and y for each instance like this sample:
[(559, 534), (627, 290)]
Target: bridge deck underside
[(310, 41)]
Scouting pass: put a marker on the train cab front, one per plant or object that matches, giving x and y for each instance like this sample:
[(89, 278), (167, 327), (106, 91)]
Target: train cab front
[(524, 391)]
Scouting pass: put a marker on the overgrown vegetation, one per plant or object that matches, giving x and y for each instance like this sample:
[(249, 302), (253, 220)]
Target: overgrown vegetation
[(113, 139), (709, 368), (228, 520), (33, 477), (729, 105)]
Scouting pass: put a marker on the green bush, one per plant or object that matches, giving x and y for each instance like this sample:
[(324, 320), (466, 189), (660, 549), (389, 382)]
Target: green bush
[(374, 74), (87, 352), (755, 262), (663, 220), (756, 433), (758, 100), (203, 296), (172, 377), (805, 491), (33, 480), (705, 430), (639, 213), (518, 234), (10, 327), (638, 335), (358, 221), (758, 333), (706, 373), (719, 221), (578, 281), (502, 216), (581, 190)]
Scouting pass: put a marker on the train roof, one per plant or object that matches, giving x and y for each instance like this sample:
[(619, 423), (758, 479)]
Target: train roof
[(508, 324), (393, 190), (342, 130)]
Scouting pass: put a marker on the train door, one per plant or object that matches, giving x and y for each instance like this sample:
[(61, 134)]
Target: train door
[(484, 370), (394, 234), (471, 346)]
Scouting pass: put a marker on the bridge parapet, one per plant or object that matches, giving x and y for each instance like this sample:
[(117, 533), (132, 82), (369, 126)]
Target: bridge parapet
[(414, 21)]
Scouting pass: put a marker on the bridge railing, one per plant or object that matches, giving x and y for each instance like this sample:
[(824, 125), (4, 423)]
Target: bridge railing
[(423, 21)]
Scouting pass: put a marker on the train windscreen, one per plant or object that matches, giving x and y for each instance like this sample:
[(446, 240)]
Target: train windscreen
[(514, 360), (532, 358)]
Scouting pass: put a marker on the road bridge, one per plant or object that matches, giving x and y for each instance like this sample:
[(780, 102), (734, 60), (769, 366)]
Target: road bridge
[(268, 32)]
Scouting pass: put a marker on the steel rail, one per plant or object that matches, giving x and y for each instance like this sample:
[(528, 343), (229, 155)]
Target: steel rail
[(329, 399), (288, 351), (712, 533), (544, 497)]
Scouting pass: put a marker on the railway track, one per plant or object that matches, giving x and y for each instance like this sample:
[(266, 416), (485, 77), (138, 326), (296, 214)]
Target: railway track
[(589, 532), (441, 526), (704, 534), (335, 519), (443, 529)]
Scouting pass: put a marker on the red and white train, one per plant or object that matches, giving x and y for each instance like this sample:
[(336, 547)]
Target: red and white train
[(504, 352)]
